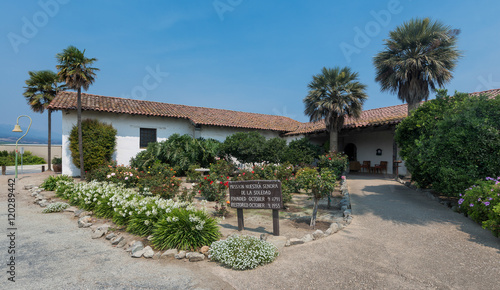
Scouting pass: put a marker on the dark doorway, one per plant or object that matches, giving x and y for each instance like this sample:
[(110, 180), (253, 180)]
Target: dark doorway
[(351, 151)]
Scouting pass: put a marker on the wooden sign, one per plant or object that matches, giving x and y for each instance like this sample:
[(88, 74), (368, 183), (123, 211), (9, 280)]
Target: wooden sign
[(256, 194)]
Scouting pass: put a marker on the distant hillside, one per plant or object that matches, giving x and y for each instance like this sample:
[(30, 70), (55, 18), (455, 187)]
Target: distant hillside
[(33, 137)]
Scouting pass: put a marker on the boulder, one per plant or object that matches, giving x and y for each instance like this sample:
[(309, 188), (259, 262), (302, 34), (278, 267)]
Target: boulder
[(84, 222), (137, 246), (122, 244), (170, 253), (116, 240), (295, 241), (138, 253), (97, 234), (148, 252), (110, 236), (318, 234), (180, 255), (196, 257), (334, 227), (308, 238), (204, 250)]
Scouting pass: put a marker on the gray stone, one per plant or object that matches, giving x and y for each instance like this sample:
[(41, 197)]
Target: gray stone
[(121, 244), (343, 208), (204, 250), (170, 253), (328, 232), (84, 222), (78, 212), (340, 226), (196, 257), (278, 241), (308, 238), (110, 236), (34, 194), (43, 203), (318, 234), (104, 228), (85, 213), (180, 255), (348, 220), (116, 240), (137, 246), (97, 234), (138, 253), (263, 237), (71, 209), (157, 256), (287, 244), (334, 227), (28, 187), (295, 241), (347, 213), (148, 252)]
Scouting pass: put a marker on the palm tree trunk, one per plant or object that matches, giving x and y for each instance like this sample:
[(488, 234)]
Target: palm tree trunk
[(80, 137), (49, 161), (412, 107), (334, 138)]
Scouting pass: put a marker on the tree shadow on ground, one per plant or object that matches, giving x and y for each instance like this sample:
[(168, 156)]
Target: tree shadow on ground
[(261, 230), (401, 205)]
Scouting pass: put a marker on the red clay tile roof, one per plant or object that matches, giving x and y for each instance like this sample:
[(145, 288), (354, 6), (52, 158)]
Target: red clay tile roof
[(373, 117), (227, 118), (197, 115)]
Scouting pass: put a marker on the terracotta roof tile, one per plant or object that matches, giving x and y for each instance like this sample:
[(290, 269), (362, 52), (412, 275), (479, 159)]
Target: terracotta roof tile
[(197, 115)]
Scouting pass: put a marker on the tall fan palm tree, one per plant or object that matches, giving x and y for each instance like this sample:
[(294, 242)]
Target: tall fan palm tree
[(420, 54), (333, 95), (41, 89), (77, 72)]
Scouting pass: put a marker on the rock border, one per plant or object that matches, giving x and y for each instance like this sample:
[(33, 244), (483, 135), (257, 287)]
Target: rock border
[(137, 249)]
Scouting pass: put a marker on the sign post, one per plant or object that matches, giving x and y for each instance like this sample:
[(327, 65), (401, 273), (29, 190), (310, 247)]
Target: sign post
[(256, 194)]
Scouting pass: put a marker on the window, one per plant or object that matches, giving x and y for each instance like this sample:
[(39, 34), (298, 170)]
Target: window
[(147, 136)]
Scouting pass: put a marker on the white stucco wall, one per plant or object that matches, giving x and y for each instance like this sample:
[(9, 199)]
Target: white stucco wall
[(221, 133), (368, 142), (128, 129)]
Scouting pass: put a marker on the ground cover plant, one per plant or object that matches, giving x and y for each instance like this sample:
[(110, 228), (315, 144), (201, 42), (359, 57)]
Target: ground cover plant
[(174, 223), (55, 207), (481, 202), (50, 183), (243, 252)]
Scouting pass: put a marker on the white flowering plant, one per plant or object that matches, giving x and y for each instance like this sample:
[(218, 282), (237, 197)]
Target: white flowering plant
[(56, 207), (243, 252), (177, 224)]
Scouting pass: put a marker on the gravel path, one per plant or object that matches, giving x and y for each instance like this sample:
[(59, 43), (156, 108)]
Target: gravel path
[(398, 239)]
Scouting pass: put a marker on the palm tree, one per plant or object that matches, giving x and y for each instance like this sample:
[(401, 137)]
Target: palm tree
[(420, 54), (333, 95), (76, 71), (41, 89)]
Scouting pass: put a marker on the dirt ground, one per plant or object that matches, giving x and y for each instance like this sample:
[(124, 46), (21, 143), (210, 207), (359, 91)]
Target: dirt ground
[(294, 219)]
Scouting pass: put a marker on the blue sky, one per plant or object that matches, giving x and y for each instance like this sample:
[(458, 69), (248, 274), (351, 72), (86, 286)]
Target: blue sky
[(253, 56)]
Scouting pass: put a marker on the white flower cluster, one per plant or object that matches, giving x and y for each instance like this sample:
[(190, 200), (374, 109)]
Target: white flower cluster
[(56, 207), (243, 252)]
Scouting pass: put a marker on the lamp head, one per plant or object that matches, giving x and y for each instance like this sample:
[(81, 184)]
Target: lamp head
[(17, 128)]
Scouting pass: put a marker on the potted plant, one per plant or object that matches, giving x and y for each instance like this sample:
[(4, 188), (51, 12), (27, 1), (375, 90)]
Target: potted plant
[(57, 164)]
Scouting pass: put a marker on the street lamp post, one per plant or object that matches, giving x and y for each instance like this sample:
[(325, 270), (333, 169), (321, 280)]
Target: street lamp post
[(17, 128)]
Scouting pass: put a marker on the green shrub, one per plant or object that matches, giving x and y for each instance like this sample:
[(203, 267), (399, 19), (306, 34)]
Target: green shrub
[(221, 167), (50, 183), (159, 179), (274, 150), (9, 158), (482, 203), (182, 151), (185, 229), (56, 161), (243, 252), (247, 147), (56, 207), (99, 141), (336, 162), (213, 188), (449, 143), (192, 175), (302, 151), (125, 175)]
